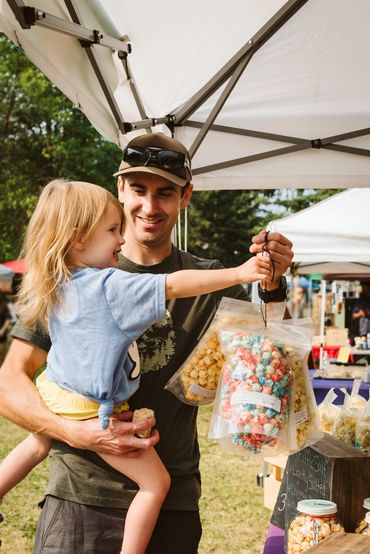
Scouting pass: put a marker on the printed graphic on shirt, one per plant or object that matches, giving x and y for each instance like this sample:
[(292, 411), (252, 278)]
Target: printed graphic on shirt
[(134, 357), (157, 344)]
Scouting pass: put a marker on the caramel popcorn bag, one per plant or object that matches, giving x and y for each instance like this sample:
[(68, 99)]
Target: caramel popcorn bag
[(362, 431), (305, 427), (352, 410), (195, 382), (329, 412)]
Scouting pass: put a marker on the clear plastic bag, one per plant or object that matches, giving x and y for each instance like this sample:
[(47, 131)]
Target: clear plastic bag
[(329, 412), (258, 408), (353, 408), (305, 429), (362, 431), (195, 382)]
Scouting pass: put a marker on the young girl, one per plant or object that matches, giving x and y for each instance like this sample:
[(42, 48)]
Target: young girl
[(93, 312)]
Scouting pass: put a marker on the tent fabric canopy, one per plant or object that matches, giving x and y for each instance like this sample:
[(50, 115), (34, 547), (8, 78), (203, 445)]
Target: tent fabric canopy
[(291, 79), (332, 236)]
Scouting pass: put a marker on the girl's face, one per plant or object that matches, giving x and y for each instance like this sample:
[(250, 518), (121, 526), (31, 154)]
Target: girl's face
[(103, 247)]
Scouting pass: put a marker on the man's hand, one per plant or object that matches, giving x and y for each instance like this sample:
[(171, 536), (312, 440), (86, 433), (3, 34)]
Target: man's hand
[(280, 250), (119, 439)]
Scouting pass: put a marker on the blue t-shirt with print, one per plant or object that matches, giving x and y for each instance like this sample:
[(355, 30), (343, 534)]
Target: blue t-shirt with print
[(103, 311)]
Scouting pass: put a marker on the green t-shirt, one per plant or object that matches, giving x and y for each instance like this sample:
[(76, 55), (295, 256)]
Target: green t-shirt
[(82, 476)]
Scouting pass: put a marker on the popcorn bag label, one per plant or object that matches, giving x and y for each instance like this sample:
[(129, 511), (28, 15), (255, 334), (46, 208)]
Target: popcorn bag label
[(256, 398), (301, 416), (197, 389)]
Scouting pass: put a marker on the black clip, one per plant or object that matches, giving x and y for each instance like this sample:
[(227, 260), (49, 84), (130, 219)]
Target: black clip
[(316, 143), (96, 39), (171, 124)]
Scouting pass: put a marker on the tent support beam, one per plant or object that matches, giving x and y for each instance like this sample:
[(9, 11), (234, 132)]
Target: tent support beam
[(94, 61), (219, 104), (245, 132), (135, 92), (299, 144), (253, 158), (27, 16), (285, 13)]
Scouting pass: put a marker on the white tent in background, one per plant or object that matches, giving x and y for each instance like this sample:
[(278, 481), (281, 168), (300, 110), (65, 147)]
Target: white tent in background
[(331, 237), (266, 94)]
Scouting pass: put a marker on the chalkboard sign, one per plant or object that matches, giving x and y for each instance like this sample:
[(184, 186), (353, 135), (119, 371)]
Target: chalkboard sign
[(307, 475), (330, 470)]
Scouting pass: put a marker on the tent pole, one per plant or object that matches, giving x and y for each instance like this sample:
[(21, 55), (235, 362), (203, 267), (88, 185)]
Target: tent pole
[(322, 321), (219, 105)]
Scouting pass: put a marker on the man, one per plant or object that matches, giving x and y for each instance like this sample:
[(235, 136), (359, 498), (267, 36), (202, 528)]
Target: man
[(361, 312), (86, 499)]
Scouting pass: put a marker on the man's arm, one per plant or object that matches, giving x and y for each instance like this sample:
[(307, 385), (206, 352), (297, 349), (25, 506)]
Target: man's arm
[(21, 403)]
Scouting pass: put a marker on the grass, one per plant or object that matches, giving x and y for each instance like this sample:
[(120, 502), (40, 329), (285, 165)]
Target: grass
[(233, 516)]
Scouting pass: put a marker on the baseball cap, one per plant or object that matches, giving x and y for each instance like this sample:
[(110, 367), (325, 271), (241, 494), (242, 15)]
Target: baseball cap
[(155, 153)]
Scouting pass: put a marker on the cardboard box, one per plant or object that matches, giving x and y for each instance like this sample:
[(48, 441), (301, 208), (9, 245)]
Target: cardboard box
[(335, 336), (272, 481)]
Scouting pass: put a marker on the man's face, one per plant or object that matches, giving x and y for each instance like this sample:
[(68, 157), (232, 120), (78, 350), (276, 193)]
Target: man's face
[(151, 205)]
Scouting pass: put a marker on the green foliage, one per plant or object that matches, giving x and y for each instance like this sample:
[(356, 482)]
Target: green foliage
[(42, 136), (222, 223)]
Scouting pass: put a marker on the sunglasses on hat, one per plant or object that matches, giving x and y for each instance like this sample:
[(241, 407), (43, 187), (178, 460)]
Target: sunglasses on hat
[(168, 160)]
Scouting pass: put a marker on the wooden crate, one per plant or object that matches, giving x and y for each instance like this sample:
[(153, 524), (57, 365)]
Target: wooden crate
[(331, 470), (342, 543)]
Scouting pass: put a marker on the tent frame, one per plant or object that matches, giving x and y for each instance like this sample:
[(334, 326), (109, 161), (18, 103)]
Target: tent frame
[(28, 16)]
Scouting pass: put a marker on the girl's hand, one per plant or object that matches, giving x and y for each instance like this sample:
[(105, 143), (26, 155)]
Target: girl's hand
[(258, 268)]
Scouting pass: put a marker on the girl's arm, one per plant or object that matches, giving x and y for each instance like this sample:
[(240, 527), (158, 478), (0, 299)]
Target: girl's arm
[(193, 282)]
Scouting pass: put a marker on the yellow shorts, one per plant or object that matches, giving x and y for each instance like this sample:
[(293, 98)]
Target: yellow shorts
[(69, 404)]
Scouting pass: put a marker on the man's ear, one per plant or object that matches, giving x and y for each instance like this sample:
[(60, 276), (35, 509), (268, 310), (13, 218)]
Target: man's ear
[(120, 187), (187, 195)]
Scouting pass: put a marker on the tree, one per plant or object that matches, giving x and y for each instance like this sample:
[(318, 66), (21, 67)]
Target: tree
[(42, 136)]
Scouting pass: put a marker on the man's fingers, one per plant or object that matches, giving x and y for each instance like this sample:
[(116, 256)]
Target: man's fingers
[(277, 237)]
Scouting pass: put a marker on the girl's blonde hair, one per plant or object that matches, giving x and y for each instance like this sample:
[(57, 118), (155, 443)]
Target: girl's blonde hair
[(65, 210)]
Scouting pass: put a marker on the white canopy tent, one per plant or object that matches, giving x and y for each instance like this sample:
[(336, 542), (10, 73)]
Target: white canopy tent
[(264, 94), (331, 237)]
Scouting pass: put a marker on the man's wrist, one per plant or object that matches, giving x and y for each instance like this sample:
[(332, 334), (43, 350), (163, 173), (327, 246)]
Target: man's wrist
[(278, 294)]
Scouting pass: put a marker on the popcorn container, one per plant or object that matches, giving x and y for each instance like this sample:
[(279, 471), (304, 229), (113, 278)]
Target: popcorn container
[(364, 526), (315, 520)]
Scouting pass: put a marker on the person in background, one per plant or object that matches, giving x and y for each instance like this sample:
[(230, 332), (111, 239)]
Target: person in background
[(5, 321), (298, 301), (86, 500), (361, 312)]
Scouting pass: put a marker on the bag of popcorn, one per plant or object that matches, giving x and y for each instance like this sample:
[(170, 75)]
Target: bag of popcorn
[(329, 412), (353, 408), (195, 382), (362, 431), (265, 402)]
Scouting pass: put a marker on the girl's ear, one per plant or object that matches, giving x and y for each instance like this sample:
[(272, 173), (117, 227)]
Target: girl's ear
[(76, 245)]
